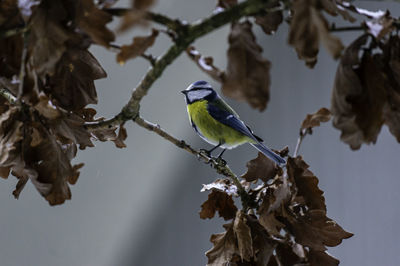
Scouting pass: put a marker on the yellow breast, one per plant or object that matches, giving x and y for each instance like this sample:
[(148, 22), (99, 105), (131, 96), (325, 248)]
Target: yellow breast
[(213, 131)]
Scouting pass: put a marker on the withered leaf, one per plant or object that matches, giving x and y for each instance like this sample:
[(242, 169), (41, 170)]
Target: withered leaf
[(270, 223), (270, 22), (306, 183), (73, 84), (47, 38), (243, 236), (205, 64), (286, 255), (221, 202), (224, 247), (307, 28), (358, 96), (54, 170), (138, 47), (317, 258), (5, 171), (260, 168), (315, 230), (247, 74), (142, 4), (226, 3), (11, 133), (93, 21), (381, 26), (70, 128), (122, 135), (136, 15), (46, 108), (315, 119)]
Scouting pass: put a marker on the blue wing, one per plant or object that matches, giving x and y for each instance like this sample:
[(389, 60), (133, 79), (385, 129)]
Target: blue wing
[(222, 113)]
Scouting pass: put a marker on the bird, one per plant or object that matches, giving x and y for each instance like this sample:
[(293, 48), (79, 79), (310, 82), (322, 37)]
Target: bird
[(218, 124)]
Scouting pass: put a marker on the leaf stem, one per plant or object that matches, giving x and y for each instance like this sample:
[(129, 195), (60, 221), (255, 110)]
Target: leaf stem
[(22, 66), (8, 95)]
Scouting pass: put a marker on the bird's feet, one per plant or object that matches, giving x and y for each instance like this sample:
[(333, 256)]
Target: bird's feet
[(220, 161)]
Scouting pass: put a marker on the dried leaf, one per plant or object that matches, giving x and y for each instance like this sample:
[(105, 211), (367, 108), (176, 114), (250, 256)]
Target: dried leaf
[(306, 183), (205, 64), (381, 26), (260, 168), (142, 4), (270, 22), (136, 15), (93, 21), (315, 119), (287, 256), (11, 134), (137, 48), (315, 230), (247, 75), (358, 96), (317, 258), (226, 3), (48, 38), (122, 135), (243, 236), (307, 28), (70, 128), (224, 247), (73, 83), (46, 108), (4, 172), (221, 202), (270, 223)]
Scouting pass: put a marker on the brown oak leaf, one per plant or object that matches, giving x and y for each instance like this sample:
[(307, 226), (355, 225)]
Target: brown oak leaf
[(73, 83), (315, 119), (358, 96), (224, 247), (247, 74), (93, 21), (306, 183), (218, 201), (308, 28), (138, 46), (260, 168), (315, 230), (243, 235)]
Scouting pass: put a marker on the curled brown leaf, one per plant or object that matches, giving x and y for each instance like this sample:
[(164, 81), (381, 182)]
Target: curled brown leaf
[(247, 74), (218, 201), (138, 46), (315, 119), (260, 168)]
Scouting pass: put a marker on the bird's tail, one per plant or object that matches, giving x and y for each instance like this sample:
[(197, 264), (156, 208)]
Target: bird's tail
[(270, 154)]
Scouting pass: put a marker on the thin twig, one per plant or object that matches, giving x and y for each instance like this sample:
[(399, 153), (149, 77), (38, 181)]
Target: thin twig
[(216, 163), (22, 67), (14, 31), (173, 24), (152, 60), (8, 95), (333, 28)]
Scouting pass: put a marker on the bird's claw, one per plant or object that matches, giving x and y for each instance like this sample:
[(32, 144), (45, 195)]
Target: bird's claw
[(220, 161)]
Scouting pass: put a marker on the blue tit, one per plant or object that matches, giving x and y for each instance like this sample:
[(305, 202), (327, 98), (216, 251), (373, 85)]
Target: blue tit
[(218, 124)]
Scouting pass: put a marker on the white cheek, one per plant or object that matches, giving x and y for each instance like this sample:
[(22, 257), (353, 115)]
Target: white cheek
[(196, 95)]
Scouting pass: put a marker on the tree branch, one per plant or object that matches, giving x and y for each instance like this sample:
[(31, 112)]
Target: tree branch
[(184, 39)]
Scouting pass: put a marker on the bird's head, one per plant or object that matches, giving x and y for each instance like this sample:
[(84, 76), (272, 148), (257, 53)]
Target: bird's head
[(199, 90)]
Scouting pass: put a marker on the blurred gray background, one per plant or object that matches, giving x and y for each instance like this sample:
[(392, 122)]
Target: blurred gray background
[(139, 205)]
